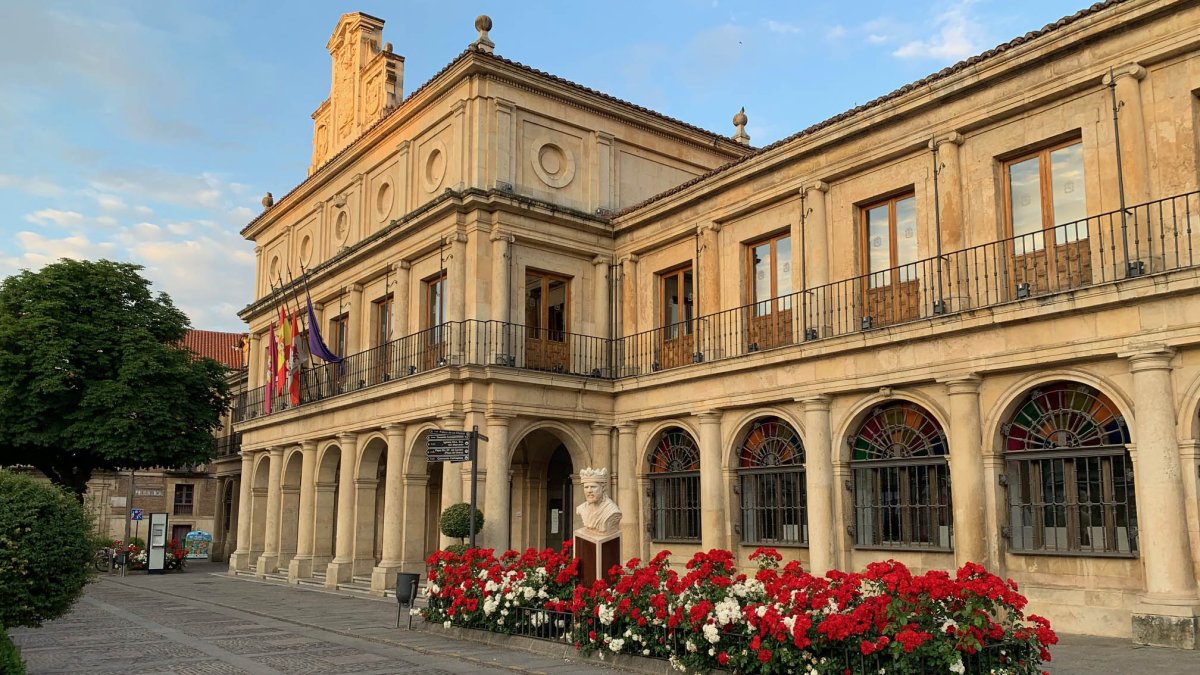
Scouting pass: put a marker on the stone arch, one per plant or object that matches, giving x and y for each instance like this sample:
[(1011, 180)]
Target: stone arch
[(577, 447), (289, 508), (329, 461), (1188, 415), (261, 470), (861, 410), (329, 457), (1012, 396), (371, 450), (736, 431), (414, 455), (292, 467), (369, 491), (424, 480), (650, 440)]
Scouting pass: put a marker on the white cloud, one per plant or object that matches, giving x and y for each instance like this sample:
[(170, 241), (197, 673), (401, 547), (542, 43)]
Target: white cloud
[(61, 218), (38, 250), (876, 39), (38, 187), (835, 33), (110, 203), (782, 27), (957, 35)]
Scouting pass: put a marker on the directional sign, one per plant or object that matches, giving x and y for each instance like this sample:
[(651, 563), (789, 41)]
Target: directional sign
[(136, 514), (448, 446)]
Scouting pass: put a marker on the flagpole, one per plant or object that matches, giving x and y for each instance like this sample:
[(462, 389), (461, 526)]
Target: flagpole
[(296, 301)]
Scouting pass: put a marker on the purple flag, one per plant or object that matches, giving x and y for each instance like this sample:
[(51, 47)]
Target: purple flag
[(316, 345)]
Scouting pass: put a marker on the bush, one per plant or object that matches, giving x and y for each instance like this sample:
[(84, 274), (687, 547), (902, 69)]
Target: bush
[(457, 549), (10, 660), (45, 551), (138, 542), (456, 521)]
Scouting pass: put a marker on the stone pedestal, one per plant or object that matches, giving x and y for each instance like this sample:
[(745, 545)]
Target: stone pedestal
[(596, 554)]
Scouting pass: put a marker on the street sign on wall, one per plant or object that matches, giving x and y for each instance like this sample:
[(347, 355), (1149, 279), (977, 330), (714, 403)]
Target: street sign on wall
[(136, 514), (447, 446)]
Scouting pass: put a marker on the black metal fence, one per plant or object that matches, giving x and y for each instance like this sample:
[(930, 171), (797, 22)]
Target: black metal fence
[(229, 444), (1148, 238)]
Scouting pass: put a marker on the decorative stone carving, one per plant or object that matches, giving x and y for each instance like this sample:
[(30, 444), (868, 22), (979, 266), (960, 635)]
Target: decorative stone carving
[(599, 513), (739, 122), (483, 23), (384, 197), (553, 164), (434, 170), (306, 247), (341, 227), (268, 200)]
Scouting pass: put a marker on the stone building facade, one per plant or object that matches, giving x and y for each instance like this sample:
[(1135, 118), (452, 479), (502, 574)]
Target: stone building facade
[(956, 323)]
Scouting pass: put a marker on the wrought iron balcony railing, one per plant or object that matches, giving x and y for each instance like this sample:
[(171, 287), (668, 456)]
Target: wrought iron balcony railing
[(229, 444), (1154, 237)]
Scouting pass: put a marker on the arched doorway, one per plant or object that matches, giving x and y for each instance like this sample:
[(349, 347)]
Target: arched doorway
[(289, 513), (325, 507), (369, 488), (543, 491)]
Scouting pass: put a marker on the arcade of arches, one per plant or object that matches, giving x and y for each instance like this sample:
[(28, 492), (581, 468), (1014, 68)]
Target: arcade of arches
[(1038, 478)]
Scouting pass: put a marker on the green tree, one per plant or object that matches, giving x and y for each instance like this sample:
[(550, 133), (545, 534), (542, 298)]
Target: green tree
[(45, 551), (456, 521), (92, 375)]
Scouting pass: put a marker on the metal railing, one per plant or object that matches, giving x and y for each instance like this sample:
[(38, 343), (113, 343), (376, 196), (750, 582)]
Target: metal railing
[(1148, 238), (229, 444)]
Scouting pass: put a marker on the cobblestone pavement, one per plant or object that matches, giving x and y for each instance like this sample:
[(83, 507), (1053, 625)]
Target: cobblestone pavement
[(202, 622)]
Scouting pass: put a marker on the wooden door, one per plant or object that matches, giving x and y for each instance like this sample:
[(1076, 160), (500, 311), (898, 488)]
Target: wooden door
[(546, 322)]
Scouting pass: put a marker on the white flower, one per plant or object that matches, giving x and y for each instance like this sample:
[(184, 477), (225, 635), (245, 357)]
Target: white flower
[(616, 645), (447, 624), (711, 633), (958, 667), (645, 652)]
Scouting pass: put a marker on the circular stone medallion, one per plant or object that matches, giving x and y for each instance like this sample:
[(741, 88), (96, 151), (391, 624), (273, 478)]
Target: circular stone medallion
[(553, 164)]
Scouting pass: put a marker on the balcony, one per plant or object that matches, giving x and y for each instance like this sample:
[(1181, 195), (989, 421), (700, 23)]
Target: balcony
[(228, 445), (1149, 238)]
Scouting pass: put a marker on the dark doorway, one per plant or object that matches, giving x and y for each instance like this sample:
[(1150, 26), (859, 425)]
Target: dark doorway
[(559, 507)]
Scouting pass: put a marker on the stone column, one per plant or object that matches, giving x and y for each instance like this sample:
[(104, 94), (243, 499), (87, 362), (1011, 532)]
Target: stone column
[(268, 561), (816, 236), (1167, 614), (627, 485), (955, 274), (354, 320), (966, 472), (384, 574), (456, 296), (452, 492), (301, 566), (629, 323), (341, 569), (706, 282), (497, 511), (714, 518), (253, 364), (501, 276), (602, 308), (1131, 123), (400, 295), (365, 502), (240, 559), (818, 469)]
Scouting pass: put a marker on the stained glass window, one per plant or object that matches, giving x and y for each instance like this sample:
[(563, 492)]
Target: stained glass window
[(1070, 478), (771, 475), (675, 486), (901, 480)]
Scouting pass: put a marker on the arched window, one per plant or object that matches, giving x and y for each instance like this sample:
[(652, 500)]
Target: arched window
[(901, 480), (675, 487), (771, 478), (1070, 480)]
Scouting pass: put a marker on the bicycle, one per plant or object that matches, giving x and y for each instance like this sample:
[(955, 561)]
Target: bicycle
[(108, 559)]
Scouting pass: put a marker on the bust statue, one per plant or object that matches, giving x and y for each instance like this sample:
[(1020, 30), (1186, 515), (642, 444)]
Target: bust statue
[(599, 513)]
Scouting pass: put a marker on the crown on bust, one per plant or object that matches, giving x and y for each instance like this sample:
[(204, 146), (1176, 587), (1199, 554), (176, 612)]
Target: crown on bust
[(590, 474)]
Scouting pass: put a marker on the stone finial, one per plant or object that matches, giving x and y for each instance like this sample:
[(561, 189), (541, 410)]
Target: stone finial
[(268, 201), (387, 47), (483, 23), (739, 122)]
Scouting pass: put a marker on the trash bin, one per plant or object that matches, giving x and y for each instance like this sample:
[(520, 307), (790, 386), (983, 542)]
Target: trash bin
[(406, 593)]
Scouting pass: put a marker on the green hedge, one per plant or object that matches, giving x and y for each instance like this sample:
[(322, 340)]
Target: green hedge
[(456, 521), (46, 550), (10, 660)]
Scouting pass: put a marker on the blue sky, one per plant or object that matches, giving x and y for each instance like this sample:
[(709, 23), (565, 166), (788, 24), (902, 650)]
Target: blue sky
[(149, 131)]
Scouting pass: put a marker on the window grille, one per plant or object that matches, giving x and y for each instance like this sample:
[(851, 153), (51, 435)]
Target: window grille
[(675, 487), (901, 480), (774, 493), (1070, 479)]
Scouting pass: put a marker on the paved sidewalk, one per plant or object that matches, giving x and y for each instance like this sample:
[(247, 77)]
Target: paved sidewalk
[(204, 622)]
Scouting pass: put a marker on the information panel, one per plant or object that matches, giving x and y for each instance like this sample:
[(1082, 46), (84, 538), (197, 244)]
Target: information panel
[(447, 446)]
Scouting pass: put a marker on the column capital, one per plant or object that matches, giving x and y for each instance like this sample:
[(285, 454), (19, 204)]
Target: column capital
[(627, 428), (499, 235), (354, 288), (366, 482), (1148, 357), (710, 226), (602, 259), (818, 185), (275, 450), (402, 265), (631, 259), (710, 416), (1133, 69), (308, 445), (458, 237), (598, 427), (347, 438), (962, 384), (953, 138), (498, 417), (820, 402)]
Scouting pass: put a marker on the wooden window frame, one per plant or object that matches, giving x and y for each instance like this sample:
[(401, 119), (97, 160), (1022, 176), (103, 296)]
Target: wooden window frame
[(428, 287), (187, 506), (544, 313), (893, 268), (339, 326), (1045, 184), (773, 240), (677, 271), (381, 314)]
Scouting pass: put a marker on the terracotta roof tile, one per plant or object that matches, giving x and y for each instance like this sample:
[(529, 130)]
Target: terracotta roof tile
[(222, 347), (945, 72)]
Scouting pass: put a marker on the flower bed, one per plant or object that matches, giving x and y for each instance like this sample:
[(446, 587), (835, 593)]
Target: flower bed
[(778, 620)]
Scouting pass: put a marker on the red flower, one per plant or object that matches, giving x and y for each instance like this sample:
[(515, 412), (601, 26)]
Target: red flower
[(764, 655), (722, 658)]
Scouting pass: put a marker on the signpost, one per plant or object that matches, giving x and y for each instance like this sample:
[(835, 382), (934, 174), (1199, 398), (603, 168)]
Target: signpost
[(136, 515), (457, 447)]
